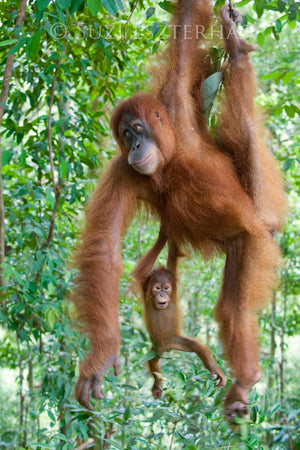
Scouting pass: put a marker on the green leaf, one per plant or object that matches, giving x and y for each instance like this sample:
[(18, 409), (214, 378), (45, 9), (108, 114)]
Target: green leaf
[(63, 4), (40, 259), (155, 28), (75, 5), (42, 4), (281, 5), (248, 19), (278, 110), (241, 3), (32, 287), (292, 24), (271, 76), (292, 15), (260, 39), (182, 376), (20, 44), (150, 12), (219, 3), (286, 166), (19, 278), (34, 45), (63, 168), (167, 6), (40, 444), (278, 25), (120, 5), (94, 6), (211, 84), (6, 157), (50, 315), (8, 42), (296, 109), (288, 77), (150, 355), (110, 6), (290, 111), (274, 408), (275, 33), (61, 436), (4, 105), (127, 413), (253, 414), (268, 31), (260, 6), (244, 431), (209, 91), (51, 415), (50, 197), (128, 386)]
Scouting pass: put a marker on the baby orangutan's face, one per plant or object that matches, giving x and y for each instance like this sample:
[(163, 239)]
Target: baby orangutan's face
[(161, 293)]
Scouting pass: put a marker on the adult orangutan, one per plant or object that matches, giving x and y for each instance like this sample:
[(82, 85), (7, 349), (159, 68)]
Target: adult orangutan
[(219, 192)]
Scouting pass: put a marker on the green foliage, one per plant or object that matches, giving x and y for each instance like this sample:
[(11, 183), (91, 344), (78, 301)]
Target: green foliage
[(209, 91), (94, 53)]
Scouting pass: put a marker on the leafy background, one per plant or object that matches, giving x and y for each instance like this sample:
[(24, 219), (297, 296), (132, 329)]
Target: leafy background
[(73, 61)]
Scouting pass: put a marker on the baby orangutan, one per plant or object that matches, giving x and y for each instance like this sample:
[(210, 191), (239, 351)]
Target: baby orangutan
[(162, 320)]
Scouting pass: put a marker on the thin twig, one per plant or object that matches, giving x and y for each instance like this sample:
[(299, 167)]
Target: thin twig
[(107, 436), (54, 184), (173, 434), (52, 221), (3, 100), (128, 20), (55, 187)]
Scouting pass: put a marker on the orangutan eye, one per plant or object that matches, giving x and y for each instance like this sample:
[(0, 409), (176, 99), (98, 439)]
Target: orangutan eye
[(137, 127), (126, 134), (157, 287)]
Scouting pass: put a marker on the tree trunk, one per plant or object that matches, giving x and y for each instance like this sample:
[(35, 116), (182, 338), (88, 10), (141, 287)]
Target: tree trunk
[(3, 100)]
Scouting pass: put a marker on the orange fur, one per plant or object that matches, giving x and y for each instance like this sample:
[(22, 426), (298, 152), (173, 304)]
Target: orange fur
[(214, 194), (163, 326)]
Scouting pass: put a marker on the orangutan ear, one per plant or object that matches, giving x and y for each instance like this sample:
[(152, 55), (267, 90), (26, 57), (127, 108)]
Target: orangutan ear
[(157, 114)]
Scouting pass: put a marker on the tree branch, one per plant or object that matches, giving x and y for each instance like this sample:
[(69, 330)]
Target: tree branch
[(54, 184), (3, 99), (128, 20)]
